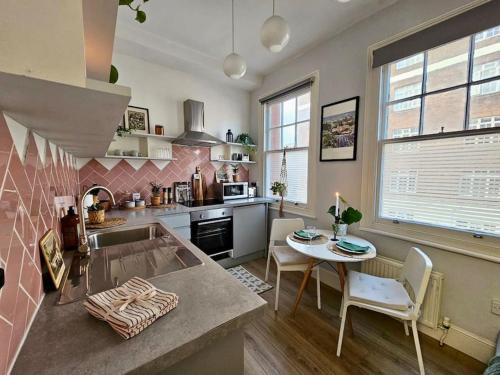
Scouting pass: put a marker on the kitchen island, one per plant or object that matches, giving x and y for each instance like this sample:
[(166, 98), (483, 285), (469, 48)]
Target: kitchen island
[(202, 335)]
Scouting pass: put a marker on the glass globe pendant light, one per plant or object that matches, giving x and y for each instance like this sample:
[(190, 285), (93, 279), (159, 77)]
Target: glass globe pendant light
[(234, 65), (275, 33)]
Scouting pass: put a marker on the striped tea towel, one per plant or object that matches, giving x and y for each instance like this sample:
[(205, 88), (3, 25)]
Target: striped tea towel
[(132, 307)]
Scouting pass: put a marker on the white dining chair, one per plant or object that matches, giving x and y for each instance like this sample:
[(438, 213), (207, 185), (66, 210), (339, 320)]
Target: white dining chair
[(400, 298), (286, 258)]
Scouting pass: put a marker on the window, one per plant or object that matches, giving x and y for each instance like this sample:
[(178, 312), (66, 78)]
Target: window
[(287, 126), (490, 33), (440, 137), (405, 63), (484, 122)]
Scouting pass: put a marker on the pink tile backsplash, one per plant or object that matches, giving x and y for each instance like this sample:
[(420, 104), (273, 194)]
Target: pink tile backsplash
[(26, 212), (123, 179)]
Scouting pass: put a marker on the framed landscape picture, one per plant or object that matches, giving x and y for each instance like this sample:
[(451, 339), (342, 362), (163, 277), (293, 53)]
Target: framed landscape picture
[(53, 257), (137, 119), (339, 130)]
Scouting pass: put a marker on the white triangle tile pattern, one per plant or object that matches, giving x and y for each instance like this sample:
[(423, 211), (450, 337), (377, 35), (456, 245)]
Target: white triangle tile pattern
[(123, 179), (27, 211)]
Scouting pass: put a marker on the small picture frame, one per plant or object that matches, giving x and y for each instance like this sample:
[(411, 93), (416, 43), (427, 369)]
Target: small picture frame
[(53, 257), (339, 130), (136, 119)]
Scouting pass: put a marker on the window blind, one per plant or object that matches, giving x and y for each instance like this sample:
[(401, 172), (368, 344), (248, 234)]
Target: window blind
[(451, 182), (475, 20), (296, 162)]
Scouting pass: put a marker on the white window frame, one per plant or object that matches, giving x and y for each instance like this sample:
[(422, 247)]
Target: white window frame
[(309, 209), (485, 248)]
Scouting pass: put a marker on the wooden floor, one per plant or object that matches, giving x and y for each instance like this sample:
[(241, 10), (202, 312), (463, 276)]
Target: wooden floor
[(307, 344)]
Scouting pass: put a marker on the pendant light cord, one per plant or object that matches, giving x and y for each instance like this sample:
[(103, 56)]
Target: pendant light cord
[(273, 7), (232, 20)]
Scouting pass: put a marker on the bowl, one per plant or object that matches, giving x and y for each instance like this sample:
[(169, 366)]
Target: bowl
[(140, 203), (129, 204)]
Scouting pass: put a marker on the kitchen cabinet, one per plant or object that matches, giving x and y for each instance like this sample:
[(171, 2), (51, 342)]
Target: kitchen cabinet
[(181, 223), (249, 229)]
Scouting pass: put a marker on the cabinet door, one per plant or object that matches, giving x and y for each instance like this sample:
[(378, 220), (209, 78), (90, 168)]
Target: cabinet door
[(177, 220), (249, 229)]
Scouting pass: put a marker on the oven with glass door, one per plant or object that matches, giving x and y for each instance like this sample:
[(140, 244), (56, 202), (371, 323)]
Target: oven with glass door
[(212, 232)]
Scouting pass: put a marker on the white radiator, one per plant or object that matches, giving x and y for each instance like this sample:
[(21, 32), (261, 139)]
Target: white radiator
[(387, 267)]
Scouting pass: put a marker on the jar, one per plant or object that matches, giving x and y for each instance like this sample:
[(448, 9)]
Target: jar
[(229, 136), (159, 130)]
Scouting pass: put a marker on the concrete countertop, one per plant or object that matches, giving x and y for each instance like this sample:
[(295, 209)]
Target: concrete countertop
[(212, 303), (181, 209)]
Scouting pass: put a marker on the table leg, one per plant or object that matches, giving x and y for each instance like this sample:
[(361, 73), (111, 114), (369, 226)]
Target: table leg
[(305, 280), (342, 271)]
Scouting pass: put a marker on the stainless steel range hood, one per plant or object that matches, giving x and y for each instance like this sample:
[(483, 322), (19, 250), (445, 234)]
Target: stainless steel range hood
[(194, 127)]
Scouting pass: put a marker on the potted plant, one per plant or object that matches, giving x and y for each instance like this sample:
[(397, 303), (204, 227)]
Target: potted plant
[(279, 188), (236, 175), (96, 213), (156, 193), (343, 220), (247, 143)]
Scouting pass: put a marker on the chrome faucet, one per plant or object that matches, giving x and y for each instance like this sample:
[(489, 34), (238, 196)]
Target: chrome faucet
[(84, 247)]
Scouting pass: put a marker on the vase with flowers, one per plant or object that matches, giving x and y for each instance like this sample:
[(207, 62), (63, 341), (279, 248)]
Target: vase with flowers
[(343, 220)]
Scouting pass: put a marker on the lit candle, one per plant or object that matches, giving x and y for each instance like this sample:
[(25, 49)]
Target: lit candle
[(337, 204)]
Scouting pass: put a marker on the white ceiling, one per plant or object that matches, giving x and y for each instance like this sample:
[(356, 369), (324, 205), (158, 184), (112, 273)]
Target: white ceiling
[(195, 35)]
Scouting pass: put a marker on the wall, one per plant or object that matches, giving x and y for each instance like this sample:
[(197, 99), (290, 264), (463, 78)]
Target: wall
[(27, 190), (125, 177), (470, 283), (163, 91)]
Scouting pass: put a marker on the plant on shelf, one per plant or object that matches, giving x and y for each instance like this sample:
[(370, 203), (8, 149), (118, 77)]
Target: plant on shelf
[(140, 16), (246, 141), (96, 213), (156, 193), (343, 220), (235, 169), (121, 130)]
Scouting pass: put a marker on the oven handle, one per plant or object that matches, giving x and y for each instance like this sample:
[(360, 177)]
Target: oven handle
[(214, 221)]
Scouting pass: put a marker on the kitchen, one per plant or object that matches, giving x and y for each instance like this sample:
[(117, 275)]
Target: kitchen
[(167, 192)]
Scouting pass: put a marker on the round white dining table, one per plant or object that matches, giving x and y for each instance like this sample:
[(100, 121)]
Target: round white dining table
[(319, 252)]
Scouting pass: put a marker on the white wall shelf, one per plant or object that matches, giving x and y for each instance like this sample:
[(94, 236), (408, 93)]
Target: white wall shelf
[(154, 136), (152, 146), (137, 158), (81, 120), (233, 161), (239, 144), (225, 151)]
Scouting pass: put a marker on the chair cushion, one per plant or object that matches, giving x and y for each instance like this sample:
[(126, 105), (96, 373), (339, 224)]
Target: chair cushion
[(378, 291), (285, 255)]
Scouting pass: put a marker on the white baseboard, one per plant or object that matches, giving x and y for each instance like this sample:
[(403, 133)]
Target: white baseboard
[(467, 342)]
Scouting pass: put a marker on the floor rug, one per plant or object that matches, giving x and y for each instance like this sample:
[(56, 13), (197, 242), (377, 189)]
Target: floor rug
[(251, 281)]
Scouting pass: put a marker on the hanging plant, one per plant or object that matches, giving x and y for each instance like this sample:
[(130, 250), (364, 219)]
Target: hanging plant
[(280, 187), (140, 16)]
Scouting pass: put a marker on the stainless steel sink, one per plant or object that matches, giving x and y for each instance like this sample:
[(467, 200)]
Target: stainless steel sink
[(119, 254), (125, 235)]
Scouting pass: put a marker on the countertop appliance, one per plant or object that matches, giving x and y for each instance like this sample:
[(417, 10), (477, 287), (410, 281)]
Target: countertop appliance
[(252, 190), (194, 127), (212, 232), (231, 190)]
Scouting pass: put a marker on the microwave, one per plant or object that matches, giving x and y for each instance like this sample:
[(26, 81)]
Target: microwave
[(232, 190)]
